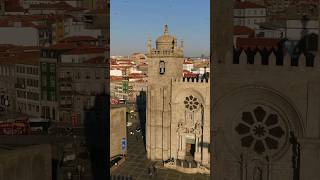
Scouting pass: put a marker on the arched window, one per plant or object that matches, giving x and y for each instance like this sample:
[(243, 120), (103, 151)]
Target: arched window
[(162, 67)]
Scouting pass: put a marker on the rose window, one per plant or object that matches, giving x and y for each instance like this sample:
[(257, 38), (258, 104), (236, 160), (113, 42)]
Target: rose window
[(260, 130), (191, 103)]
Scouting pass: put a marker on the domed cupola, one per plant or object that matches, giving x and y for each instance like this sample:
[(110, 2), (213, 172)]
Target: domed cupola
[(166, 41)]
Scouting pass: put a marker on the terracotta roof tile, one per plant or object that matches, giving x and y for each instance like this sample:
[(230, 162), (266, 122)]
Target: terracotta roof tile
[(13, 6), (62, 46), (247, 5), (79, 39), (243, 30), (257, 43), (96, 60), (86, 50), (31, 58), (54, 6)]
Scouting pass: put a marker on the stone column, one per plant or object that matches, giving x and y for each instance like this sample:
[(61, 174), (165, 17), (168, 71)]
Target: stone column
[(197, 154), (181, 149), (196, 144), (183, 145)]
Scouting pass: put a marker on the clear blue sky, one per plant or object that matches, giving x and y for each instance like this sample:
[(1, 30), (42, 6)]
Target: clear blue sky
[(133, 21)]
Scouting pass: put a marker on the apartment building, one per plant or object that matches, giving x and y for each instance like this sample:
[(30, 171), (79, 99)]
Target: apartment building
[(249, 14)]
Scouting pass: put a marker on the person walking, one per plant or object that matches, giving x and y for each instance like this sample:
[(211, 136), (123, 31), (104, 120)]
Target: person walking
[(154, 170), (149, 171)]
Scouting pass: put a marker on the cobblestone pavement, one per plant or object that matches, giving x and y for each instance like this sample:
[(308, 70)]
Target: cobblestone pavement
[(136, 164)]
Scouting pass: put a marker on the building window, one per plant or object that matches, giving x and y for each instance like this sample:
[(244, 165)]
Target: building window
[(162, 67), (52, 82), (43, 67), (52, 68), (44, 81), (97, 75)]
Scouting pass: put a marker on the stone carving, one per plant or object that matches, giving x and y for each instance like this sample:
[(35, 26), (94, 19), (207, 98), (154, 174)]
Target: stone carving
[(257, 173), (191, 103), (181, 129), (197, 129), (259, 130)]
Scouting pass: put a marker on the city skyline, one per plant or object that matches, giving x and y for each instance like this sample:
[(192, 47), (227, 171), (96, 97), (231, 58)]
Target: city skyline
[(134, 22)]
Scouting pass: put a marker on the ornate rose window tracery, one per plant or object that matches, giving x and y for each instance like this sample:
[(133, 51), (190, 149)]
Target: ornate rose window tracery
[(191, 103), (260, 130)]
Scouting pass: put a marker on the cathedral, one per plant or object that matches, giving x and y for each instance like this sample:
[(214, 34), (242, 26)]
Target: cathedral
[(265, 116), (178, 109)]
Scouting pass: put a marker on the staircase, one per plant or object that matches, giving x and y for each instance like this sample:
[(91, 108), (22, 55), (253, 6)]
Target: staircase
[(187, 163)]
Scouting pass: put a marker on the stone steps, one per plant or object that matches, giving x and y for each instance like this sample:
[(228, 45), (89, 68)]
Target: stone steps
[(187, 163)]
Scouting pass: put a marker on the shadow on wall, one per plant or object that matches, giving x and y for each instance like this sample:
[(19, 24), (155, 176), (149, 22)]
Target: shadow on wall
[(141, 106), (96, 132)]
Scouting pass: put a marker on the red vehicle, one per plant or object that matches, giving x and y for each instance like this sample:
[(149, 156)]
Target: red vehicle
[(17, 127)]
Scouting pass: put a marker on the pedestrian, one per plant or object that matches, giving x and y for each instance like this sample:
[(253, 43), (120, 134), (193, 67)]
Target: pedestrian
[(149, 171), (154, 170), (136, 137)]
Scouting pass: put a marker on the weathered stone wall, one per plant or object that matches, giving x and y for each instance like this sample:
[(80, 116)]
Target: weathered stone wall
[(27, 163), (117, 129)]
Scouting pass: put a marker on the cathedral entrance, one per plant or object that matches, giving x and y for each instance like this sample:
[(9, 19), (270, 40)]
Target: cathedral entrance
[(190, 149)]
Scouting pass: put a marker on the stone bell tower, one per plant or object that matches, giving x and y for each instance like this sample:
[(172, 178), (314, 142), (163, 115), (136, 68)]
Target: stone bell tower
[(165, 62)]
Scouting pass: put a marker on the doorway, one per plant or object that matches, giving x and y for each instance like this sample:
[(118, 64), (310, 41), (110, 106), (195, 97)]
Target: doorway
[(190, 149)]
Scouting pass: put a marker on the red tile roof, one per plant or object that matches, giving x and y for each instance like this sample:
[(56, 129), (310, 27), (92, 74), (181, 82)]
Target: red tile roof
[(62, 46), (54, 6), (23, 23), (86, 50), (243, 30), (247, 5), (189, 74), (13, 6), (257, 43), (96, 60), (78, 39), (116, 78), (31, 58), (187, 62)]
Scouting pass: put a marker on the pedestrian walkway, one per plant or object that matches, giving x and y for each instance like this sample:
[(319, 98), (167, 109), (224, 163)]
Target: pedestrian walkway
[(136, 165)]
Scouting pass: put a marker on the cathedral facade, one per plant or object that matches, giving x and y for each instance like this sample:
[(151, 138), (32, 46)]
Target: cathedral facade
[(178, 109), (265, 116)]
